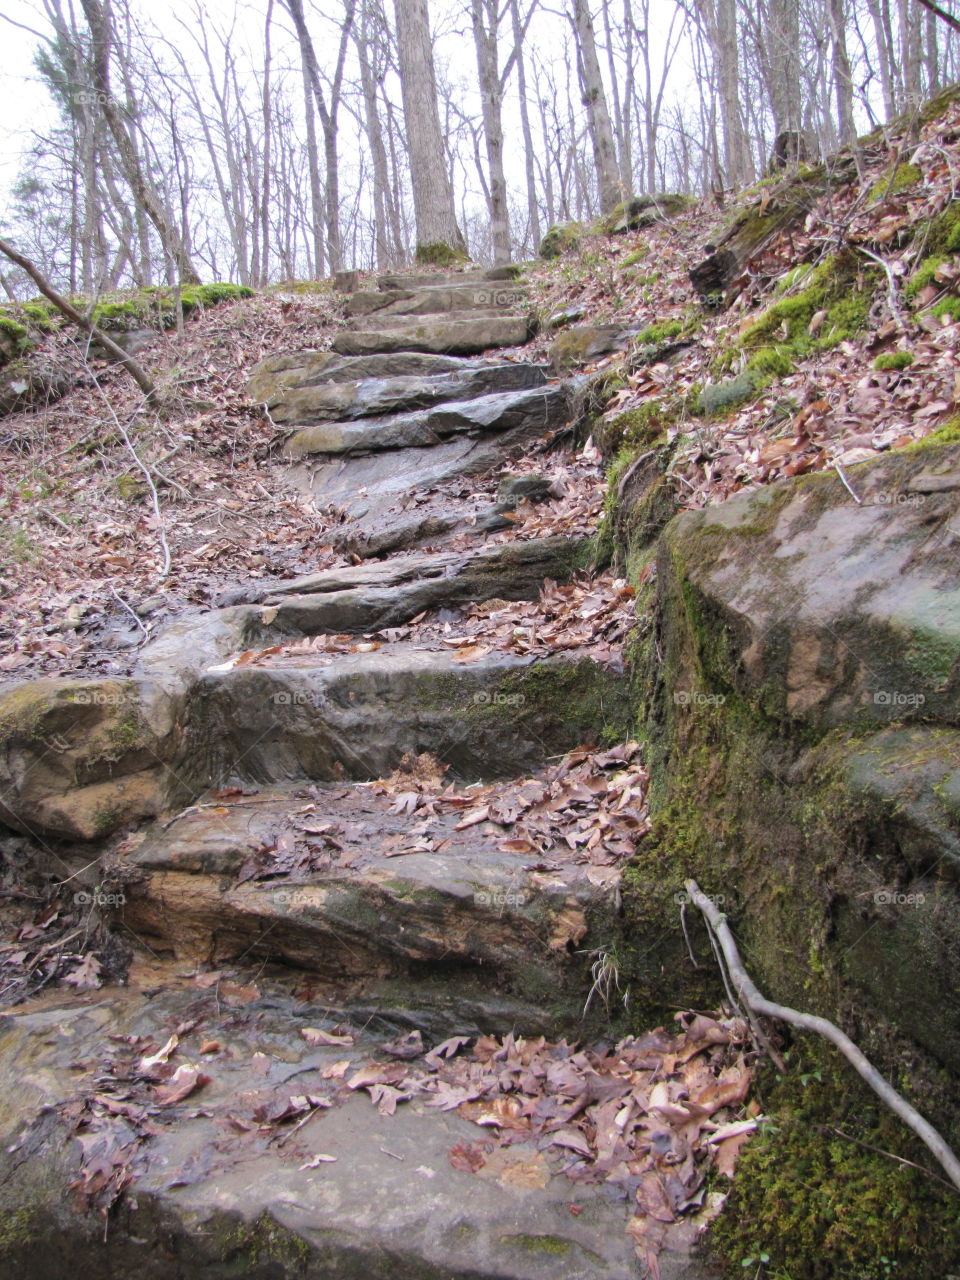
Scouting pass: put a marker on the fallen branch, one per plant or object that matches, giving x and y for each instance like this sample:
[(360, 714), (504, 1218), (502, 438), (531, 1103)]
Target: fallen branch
[(76, 317), (891, 287), (811, 1022)]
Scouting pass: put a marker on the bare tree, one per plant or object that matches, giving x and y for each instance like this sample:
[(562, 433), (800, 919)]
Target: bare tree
[(438, 234)]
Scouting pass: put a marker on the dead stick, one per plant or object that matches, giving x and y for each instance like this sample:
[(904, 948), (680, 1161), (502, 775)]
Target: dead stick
[(811, 1022), (81, 321)]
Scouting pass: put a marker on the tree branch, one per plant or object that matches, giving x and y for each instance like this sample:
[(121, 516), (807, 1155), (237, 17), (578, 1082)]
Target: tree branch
[(948, 18), (80, 320), (811, 1022)]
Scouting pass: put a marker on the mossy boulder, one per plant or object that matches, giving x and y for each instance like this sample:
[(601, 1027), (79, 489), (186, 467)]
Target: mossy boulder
[(645, 211), (440, 254), (797, 678), (81, 758), (564, 237)]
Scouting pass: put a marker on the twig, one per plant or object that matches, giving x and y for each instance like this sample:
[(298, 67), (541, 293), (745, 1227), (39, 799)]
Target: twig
[(868, 1146), (849, 487), (143, 469), (891, 286), (811, 1022), (55, 518), (120, 601)]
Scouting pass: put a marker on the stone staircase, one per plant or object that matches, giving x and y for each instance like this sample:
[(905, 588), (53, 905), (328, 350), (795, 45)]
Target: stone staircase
[(401, 917), (384, 429)]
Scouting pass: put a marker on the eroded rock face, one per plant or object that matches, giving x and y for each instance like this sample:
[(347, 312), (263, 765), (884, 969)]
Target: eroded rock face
[(375, 913), (82, 758), (827, 610), (355, 716), (537, 410), (803, 719), (312, 402)]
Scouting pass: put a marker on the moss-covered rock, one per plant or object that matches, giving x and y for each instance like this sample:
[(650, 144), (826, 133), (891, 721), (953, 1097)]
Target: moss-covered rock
[(645, 211), (563, 238), (81, 758), (440, 254)]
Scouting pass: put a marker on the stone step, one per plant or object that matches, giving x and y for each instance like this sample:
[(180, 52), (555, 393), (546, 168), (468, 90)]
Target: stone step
[(306, 714), (300, 405), (394, 500), (540, 409), (364, 918), (437, 299), (216, 1195), (458, 334), (386, 323), (356, 600), (429, 279), (366, 598), (271, 377)]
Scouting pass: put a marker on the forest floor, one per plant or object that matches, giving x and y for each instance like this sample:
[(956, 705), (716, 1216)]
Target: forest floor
[(81, 548)]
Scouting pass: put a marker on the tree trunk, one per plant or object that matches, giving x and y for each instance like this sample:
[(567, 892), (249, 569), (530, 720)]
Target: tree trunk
[(595, 101), (99, 22), (842, 75), (438, 235), (485, 18)]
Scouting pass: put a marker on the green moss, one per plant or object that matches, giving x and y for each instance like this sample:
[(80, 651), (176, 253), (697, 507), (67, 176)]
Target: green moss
[(924, 275), (539, 1244), (655, 335), (836, 287), (893, 360), (638, 255), (717, 398), (626, 434), (17, 1230), (949, 433), (773, 362), (563, 238), (439, 254), (14, 339), (902, 178), (822, 1205), (946, 309), (131, 488), (265, 1241)]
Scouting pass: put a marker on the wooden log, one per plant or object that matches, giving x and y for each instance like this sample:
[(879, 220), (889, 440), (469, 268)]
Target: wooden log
[(721, 275)]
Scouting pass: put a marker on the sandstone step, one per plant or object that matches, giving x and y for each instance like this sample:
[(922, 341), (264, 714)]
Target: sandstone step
[(212, 1198), (392, 500), (270, 378), (435, 299), (391, 898), (388, 323), (307, 714), (452, 335), (356, 600), (368, 597), (428, 279), (300, 405), (540, 409)]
